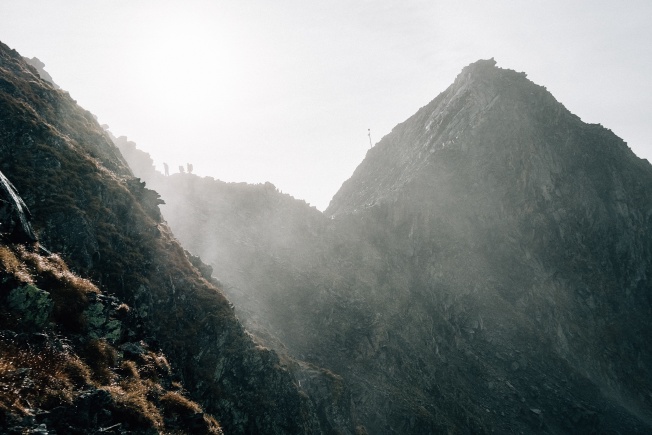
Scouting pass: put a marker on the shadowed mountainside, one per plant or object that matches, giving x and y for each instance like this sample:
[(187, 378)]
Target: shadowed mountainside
[(106, 226), (486, 268), (72, 359)]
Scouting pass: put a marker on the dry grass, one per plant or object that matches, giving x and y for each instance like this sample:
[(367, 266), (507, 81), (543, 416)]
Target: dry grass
[(129, 369), (77, 371), (67, 290), (101, 357), (54, 268), (13, 267), (41, 377), (175, 403), (153, 366), (133, 404), (123, 309), (178, 406)]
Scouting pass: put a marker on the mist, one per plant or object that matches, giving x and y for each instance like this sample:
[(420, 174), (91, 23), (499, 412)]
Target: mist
[(392, 218), (453, 274), (286, 93)]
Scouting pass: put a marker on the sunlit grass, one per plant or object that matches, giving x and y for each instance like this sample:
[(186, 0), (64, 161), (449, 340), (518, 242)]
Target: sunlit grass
[(52, 372)]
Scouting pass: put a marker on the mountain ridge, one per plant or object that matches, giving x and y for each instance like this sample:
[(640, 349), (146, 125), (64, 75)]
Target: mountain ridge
[(485, 268)]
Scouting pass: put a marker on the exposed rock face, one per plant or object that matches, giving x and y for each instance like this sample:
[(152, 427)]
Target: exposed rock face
[(14, 215), (31, 303), (40, 68), (501, 197), (486, 268), (87, 205)]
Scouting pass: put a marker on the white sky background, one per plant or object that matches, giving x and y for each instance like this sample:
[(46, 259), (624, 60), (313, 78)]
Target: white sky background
[(285, 90)]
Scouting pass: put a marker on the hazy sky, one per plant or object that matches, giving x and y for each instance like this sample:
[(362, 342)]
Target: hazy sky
[(285, 90)]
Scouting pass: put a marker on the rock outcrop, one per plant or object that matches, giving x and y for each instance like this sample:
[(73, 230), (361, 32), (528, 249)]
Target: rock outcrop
[(40, 68), (486, 268), (14, 215)]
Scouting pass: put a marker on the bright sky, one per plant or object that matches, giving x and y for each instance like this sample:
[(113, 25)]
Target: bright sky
[(285, 90)]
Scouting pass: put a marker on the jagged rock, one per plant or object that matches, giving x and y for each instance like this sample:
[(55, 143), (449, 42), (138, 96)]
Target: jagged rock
[(132, 350), (14, 215), (101, 318), (40, 68), (205, 270)]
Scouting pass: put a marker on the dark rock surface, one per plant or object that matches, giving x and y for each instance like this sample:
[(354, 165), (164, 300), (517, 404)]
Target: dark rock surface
[(40, 68), (14, 215), (485, 269)]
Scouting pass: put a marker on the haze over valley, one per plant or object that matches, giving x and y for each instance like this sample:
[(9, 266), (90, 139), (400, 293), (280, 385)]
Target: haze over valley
[(477, 260)]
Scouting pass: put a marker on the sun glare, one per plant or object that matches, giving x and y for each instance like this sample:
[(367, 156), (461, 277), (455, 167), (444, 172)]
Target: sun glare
[(187, 61)]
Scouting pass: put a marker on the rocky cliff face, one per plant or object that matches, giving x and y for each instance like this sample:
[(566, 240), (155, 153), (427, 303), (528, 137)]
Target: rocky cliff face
[(14, 215), (486, 268), (541, 222), (106, 225)]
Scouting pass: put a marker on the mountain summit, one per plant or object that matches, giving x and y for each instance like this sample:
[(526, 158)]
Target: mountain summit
[(487, 114)]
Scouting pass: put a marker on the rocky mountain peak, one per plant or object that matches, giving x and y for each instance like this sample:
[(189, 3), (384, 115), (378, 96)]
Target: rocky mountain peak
[(480, 72), (476, 118)]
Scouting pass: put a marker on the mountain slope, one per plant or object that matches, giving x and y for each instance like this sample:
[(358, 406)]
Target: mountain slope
[(549, 216), (486, 268), (509, 170), (74, 360), (87, 206)]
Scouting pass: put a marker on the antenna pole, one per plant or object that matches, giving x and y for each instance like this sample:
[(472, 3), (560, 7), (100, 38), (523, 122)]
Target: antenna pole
[(369, 134)]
